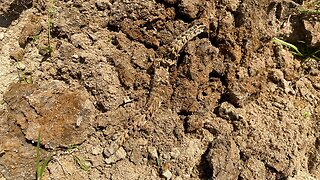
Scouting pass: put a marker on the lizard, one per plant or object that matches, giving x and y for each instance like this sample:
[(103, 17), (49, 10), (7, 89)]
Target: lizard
[(160, 79)]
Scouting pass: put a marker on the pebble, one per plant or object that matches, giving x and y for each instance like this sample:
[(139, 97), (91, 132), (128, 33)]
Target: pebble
[(278, 105), (97, 150), (136, 156), (277, 75), (314, 71), (21, 66), (175, 153), (127, 99), (316, 85), (194, 122), (117, 156), (167, 174), (228, 111), (17, 55), (287, 88), (111, 149), (153, 153), (1, 35), (103, 4), (76, 56)]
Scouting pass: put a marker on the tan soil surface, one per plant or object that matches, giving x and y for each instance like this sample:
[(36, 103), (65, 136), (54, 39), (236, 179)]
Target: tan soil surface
[(149, 89)]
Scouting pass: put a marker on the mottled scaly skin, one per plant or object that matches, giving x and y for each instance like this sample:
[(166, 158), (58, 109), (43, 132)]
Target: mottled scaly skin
[(160, 81), (185, 37)]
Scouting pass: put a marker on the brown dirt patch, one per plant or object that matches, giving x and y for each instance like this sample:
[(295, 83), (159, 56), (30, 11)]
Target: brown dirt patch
[(109, 93)]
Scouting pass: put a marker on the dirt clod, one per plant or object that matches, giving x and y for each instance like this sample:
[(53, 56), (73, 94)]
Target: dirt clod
[(60, 124), (224, 159)]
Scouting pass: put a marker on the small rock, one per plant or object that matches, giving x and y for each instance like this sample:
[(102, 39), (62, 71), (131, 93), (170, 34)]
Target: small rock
[(29, 30), (167, 174), (255, 170), (190, 8), (228, 111), (1, 35), (21, 66), (111, 149), (241, 92), (224, 158), (142, 142), (45, 50), (287, 88), (194, 122), (136, 156), (93, 37), (175, 153), (313, 28), (17, 55), (97, 150), (127, 99), (233, 4), (117, 156), (316, 85), (81, 40), (277, 75), (103, 5), (278, 105), (153, 153), (75, 56)]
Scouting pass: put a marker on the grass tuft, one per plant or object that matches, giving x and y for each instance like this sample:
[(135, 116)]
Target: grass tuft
[(41, 167), (292, 47), (294, 50)]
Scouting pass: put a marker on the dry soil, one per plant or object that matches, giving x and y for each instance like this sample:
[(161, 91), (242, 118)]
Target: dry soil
[(93, 77)]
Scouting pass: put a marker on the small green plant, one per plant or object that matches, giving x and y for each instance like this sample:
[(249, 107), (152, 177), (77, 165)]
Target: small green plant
[(306, 114), (36, 37), (312, 7), (80, 163), (41, 167), (294, 50), (72, 147), (158, 161), (309, 11), (30, 78), (23, 75)]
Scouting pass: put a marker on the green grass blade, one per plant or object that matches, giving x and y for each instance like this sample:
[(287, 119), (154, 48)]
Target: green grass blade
[(80, 163), (318, 51), (41, 167), (44, 165), (314, 55), (290, 46), (309, 11), (158, 161), (38, 158)]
